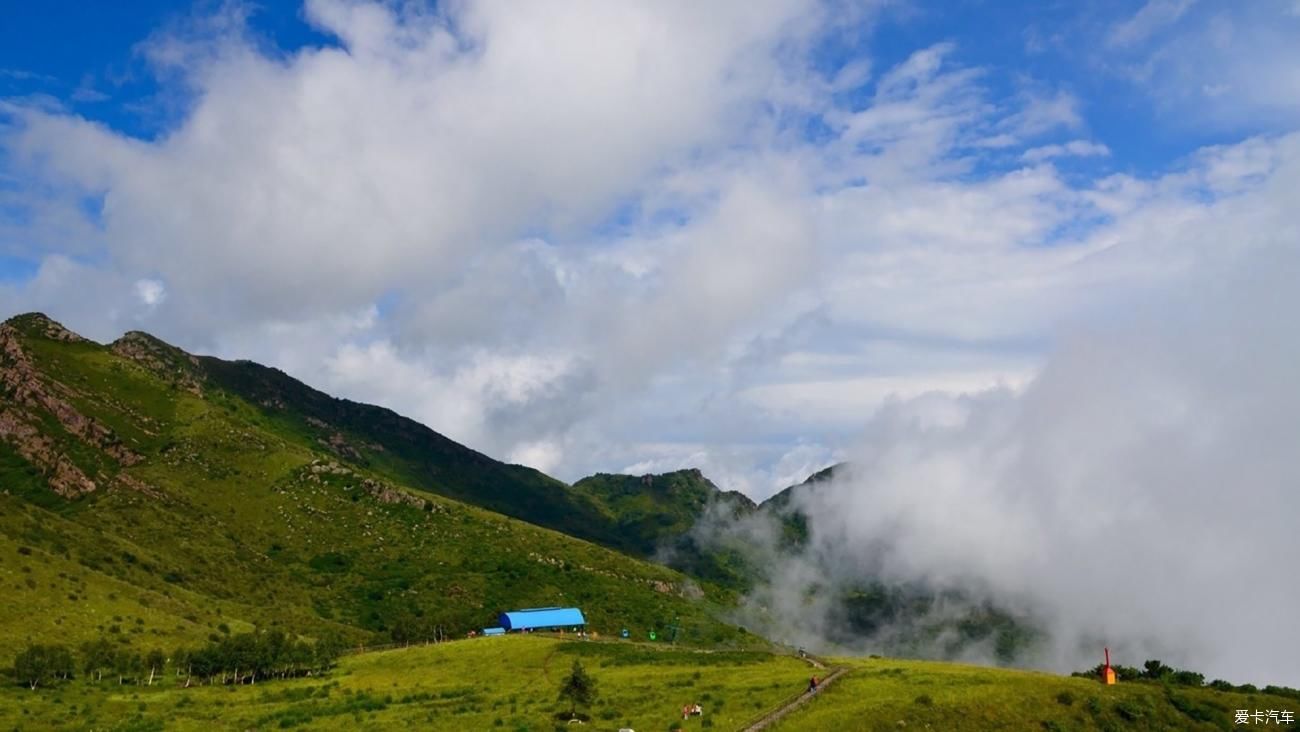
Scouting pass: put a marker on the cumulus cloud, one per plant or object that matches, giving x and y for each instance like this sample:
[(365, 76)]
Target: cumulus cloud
[(1138, 492), (639, 262), (1073, 148)]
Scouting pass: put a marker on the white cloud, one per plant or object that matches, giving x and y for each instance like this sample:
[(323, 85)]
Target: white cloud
[(1230, 67), (1153, 16), (1077, 498), (851, 400), (150, 292), (1073, 148)]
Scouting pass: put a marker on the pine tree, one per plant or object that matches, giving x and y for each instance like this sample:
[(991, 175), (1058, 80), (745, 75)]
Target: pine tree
[(579, 689)]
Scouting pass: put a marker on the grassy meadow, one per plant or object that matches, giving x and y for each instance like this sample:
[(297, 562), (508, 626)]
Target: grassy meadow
[(508, 683), (893, 694)]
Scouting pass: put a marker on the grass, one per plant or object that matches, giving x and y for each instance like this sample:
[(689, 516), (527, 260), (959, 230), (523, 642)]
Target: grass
[(890, 694), (506, 683), (234, 523)]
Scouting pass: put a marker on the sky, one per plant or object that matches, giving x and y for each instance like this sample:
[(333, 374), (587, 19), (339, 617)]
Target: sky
[(630, 236)]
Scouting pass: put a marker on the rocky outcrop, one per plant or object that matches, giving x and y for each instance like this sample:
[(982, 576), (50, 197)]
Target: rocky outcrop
[(62, 476), (339, 445), (378, 489), (42, 326), (26, 396), (167, 362)]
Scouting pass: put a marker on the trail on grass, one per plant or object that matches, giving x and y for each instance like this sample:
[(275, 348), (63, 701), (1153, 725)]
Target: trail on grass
[(780, 712)]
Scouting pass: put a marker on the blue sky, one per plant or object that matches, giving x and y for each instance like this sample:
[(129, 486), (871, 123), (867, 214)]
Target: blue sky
[(87, 57)]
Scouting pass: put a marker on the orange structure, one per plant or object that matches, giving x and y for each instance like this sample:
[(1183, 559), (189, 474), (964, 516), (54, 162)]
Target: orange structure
[(1108, 673)]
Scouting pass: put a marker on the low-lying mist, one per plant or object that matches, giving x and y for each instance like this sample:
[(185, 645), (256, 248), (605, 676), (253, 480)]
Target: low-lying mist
[(1142, 492)]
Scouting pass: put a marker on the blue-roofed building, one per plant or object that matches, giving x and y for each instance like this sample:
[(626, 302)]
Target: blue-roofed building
[(494, 631), (543, 618)]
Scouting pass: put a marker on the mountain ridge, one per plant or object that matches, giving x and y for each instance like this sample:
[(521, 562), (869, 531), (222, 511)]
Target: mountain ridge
[(188, 507)]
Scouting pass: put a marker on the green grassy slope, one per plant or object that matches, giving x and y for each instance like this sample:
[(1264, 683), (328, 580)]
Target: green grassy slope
[(511, 683), (186, 507), (656, 513), (651, 508), (483, 684), (406, 451), (889, 694)]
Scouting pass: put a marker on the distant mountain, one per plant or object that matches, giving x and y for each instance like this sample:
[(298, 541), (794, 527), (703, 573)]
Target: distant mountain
[(657, 516), (651, 508), (155, 496), (794, 523)]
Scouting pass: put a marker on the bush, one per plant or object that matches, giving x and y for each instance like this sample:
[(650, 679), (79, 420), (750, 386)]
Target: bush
[(1128, 712), (924, 700), (1065, 698)]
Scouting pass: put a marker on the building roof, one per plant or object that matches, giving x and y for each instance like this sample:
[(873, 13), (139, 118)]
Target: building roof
[(542, 617)]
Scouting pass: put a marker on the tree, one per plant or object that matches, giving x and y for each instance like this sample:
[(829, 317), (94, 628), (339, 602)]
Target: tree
[(96, 656), (155, 661), (1155, 670), (127, 665), (62, 664), (181, 663), (326, 651), (39, 664), (579, 689)]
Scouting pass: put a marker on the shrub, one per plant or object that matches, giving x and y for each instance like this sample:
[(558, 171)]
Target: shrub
[(1065, 698), (924, 700), (1127, 711)]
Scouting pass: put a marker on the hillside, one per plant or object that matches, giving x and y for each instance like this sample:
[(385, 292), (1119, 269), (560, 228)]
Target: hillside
[(651, 508), (379, 440), (890, 694), (784, 505), (150, 496), (511, 684), (656, 515)]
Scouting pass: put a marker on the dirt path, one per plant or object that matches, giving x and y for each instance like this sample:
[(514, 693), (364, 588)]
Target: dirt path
[(779, 713)]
